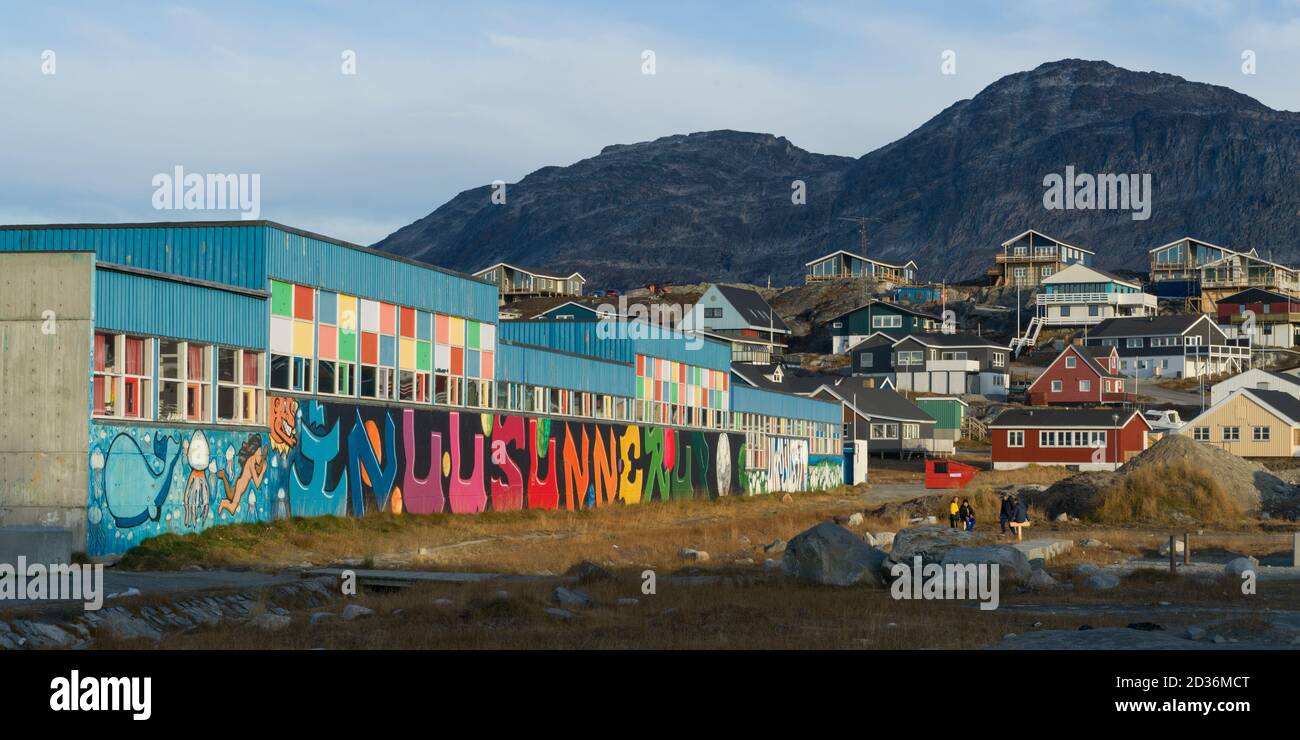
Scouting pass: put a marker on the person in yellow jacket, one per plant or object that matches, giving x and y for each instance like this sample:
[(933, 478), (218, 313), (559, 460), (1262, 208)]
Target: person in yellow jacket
[(953, 508)]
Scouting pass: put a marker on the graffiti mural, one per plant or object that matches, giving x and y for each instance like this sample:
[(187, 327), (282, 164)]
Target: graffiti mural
[(146, 481), (338, 459)]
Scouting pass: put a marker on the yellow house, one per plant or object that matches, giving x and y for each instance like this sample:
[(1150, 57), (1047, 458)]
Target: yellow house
[(1250, 423)]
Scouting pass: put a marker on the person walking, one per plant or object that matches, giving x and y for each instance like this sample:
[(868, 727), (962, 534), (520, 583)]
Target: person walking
[(967, 514), (1004, 512), (953, 509)]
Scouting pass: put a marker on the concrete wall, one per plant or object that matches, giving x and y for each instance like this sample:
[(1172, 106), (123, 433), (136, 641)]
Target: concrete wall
[(45, 361)]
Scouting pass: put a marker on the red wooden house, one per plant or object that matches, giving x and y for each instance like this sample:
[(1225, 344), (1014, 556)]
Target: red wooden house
[(1092, 439), (1080, 375)]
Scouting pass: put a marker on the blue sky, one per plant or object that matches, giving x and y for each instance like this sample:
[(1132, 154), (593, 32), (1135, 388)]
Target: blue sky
[(450, 96)]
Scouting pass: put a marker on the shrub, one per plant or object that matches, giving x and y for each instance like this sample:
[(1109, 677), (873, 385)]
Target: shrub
[(1167, 493)]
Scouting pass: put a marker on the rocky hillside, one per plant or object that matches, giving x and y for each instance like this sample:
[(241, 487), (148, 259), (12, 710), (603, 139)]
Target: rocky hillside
[(717, 205)]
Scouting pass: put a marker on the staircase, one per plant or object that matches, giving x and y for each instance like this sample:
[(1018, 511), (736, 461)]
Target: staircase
[(1030, 337), (972, 428)]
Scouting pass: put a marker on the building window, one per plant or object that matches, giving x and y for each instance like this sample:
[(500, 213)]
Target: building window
[(184, 381), (336, 344), (1133, 342), (999, 359), (1057, 386), (1231, 434), (240, 396), (886, 322), (911, 431), (1085, 386), (884, 431), (122, 374), (1201, 434), (1261, 434), (1070, 362), (910, 357), (415, 355), (712, 313), (1019, 272), (293, 336), (1016, 438), (1045, 272)]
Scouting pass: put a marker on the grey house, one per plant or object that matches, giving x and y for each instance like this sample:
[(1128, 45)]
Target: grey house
[(957, 363), (741, 316), (891, 424)]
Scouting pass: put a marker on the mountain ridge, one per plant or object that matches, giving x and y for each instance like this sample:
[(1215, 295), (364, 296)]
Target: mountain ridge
[(716, 205)]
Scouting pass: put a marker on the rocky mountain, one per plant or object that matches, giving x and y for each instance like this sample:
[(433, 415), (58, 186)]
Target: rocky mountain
[(717, 205)]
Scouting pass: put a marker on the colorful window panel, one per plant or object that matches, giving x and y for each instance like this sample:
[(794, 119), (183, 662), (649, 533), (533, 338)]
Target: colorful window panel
[(378, 335), (293, 336), (336, 344), (414, 355)]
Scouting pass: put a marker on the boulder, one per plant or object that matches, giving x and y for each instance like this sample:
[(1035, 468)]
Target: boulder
[(356, 611), (1086, 569), (775, 547), (1091, 542), (1041, 579), (771, 564), (1237, 566), (832, 555), (883, 539), (269, 621), (571, 599), (687, 553), (588, 572), (928, 542), (1102, 581), (855, 520), (1164, 548), (1012, 563), (560, 614), (628, 601)]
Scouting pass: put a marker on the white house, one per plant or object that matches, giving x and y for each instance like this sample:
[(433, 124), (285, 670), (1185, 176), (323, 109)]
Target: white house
[(1080, 295), (1257, 379)]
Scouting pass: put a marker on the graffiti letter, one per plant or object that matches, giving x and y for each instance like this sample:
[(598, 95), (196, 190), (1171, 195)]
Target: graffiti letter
[(422, 495), (467, 494)]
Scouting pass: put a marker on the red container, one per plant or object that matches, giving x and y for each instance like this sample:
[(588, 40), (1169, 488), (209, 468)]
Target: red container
[(948, 474)]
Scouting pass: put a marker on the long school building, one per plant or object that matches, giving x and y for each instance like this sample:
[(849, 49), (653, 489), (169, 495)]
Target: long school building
[(172, 377)]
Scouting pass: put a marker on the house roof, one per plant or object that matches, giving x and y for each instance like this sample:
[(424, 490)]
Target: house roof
[(1145, 326), (530, 271), (878, 403), (1099, 418), (1065, 276), (1027, 232), (858, 256), (752, 307), (1284, 403), (956, 339), (1252, 295), (1088, 359), (887, 304), (877, 339), (793, 379), (1198, 241)]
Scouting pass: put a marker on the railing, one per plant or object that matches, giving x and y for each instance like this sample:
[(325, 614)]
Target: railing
[(965, 366), (1048, 257), (972, 428), (1118, 299)]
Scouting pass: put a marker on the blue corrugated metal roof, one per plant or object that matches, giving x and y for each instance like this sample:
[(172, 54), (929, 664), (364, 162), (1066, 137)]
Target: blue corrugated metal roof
[(146, 305), (221, 253), (589, 338), (302, 258), (537, 366), (759, 401)]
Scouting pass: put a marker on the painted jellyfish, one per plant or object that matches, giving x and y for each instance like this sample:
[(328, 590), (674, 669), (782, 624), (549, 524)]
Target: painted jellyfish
[(197, 490)]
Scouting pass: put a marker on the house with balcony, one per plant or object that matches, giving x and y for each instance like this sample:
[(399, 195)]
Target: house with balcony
[(1181, 346), (852, 327), (1268, 318), (515, 283), (1084, 296), (938, 363), (1202, 273), (844, 264), (1030, 257)]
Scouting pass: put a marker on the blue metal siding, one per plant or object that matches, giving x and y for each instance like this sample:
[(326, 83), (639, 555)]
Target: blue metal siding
[(231, 255), (139, 304), (759, 401), (535, 366), (582, 337), (322, 264)]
